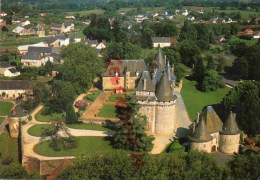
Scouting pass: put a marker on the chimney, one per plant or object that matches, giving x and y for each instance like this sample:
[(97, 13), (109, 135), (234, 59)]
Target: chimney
[(145, 84), (193, 127)]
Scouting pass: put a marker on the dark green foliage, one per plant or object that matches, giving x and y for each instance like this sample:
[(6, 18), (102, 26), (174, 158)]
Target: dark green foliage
[(130, 132), (221, 64), (240, 68), (165, 29), (175, 147), (244, 100), (123, 50), (14, 171), (193, 165), (211, 81), (189, 52), (81, 65), (146, 38), (179, 71), (245, 166), (210, 62), (199, 72), (63, 94), (172, 54), (71, 117), (58, 142)]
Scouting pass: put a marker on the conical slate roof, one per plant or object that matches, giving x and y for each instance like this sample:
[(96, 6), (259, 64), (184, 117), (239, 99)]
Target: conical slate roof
[(149, 84), (201, 133), (160, 60), (163, 90), (230, 126)]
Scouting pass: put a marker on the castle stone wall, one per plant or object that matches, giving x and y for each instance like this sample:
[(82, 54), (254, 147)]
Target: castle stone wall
[(206, 146), (148, 109), (165, 117), (229, 143)]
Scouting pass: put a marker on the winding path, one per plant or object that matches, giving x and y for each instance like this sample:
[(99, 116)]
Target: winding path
[(29, 141)]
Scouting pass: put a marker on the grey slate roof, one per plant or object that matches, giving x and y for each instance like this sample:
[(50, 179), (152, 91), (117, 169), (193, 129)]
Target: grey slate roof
[(51, 40), (201, 133), (56, 25), (13, 70), (163, 90), (35, 53), (212, 120), (39, 49), (15, 85), (60, 36), (160, 60), (149, 84), (122, 66), (230, 126), (4, 65)]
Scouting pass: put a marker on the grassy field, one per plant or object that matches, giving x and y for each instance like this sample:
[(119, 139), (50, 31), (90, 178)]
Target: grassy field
[(93, 96), (195, 100), (96, 127), (5, 108), (8, 147), (108, 111), (47, 118), (13, 43), (88, 145), (244, 14), (83, 13), (38, 129)]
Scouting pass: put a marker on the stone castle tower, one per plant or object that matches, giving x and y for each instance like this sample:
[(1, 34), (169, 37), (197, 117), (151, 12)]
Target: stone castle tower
[(157, 99), (205, 137), (230, 136)]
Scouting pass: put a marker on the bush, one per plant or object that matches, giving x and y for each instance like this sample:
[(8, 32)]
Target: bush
[(175, 147), (30, 118)]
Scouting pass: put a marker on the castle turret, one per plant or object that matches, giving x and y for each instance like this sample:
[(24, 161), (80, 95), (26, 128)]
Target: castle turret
[(165, 120), (159, 61), (230, 135), (200, 139)]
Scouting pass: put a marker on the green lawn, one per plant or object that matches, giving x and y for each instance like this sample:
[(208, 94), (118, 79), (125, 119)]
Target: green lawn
[(38, 129), (88, 145), (96, 127), (93, 96), (47, 118), (195, 100), (108, 111), (8, 147), (5, 108), (1, 120), (117, 97)]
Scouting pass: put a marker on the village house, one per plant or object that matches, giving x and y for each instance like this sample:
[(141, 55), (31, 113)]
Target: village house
[(61, 28), (16, 21), (57, 41), (185, 12), (161, 42), (25, 23), (191, 18), (7, 70), (2, 14), (12, 89), (256, 35), (75, 38), (24, 31), (23, 49), (37, 56), (210, 135), (40, 31), (140, 18), (69, 17)]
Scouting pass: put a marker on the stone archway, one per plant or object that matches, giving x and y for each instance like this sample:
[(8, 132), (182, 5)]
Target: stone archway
[(213, 148)]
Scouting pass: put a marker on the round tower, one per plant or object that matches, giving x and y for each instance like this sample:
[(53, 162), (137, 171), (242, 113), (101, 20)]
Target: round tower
[(229, 136), (165, 112), (200, 139)]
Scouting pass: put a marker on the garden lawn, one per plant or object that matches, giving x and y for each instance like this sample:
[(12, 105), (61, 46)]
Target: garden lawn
[(5, 108), (82, 13), (108, 111), (8, 147), (47, 118), (93, 96), (117, 98), (196, 100), (38, 129), (85, 126), (86, 145)]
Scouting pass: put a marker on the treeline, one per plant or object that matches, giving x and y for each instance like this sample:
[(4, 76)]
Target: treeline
[(191, 165)]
